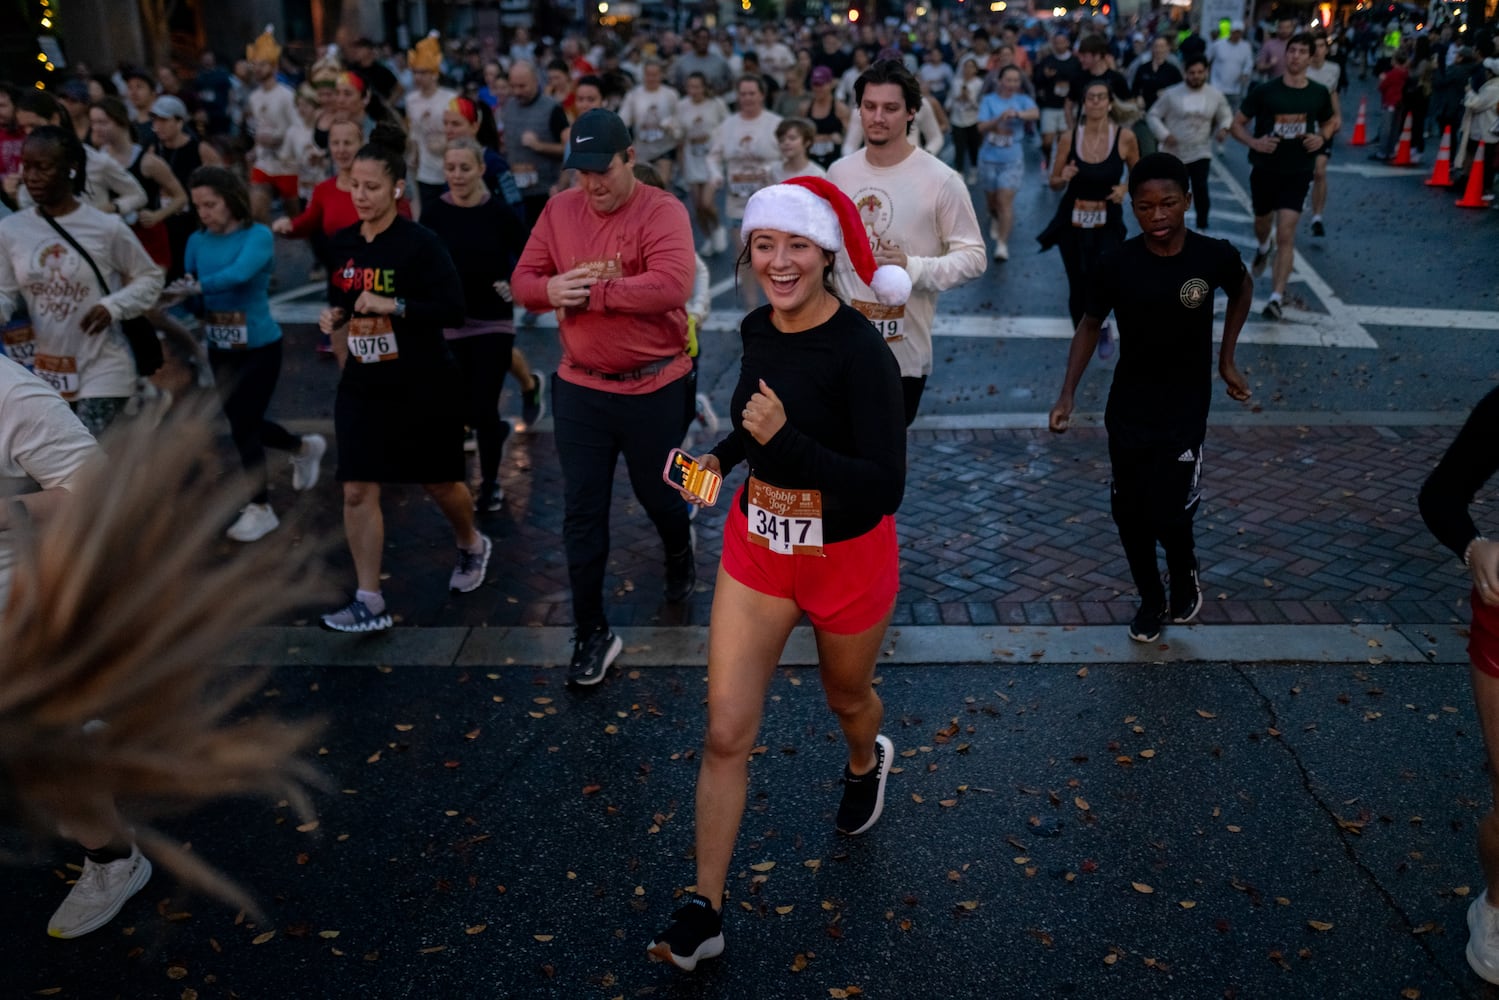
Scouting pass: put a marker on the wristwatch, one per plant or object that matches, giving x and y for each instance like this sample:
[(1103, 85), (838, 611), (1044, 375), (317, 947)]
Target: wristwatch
[(400, 308)]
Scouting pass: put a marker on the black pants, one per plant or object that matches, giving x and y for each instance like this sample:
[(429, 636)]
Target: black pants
[(1418, 104), (248, 380), (966, 142), (592, 429), (483, 362), (911, 389), (1197, 170), (1080, 254), (1154, 496)]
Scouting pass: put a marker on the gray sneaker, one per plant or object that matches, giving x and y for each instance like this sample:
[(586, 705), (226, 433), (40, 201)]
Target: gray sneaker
[(98, 895), (468, 575), (356, 616)]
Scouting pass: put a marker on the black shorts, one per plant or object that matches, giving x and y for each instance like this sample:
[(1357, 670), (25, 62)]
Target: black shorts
[(1270, 191), (410, 435)]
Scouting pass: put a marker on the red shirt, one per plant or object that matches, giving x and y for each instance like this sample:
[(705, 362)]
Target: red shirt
[(636, 313), (330, 209), (1392, 86), (11, 140)]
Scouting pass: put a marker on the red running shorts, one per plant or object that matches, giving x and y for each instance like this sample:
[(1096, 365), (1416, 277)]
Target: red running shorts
[(848, 590), (1483, 637)]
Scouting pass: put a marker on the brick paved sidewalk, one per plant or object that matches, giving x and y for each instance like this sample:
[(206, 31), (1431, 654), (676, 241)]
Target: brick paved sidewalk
[(1298, 526)]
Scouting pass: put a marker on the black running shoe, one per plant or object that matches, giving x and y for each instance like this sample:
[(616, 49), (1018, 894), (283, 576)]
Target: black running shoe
[(1318, 229), (864, 794), (592, 655), (532, 403), (1261, 258), (696, 933), (1272, 310), (491, 498), (681, 576), (1186, 597), (1147, 624)]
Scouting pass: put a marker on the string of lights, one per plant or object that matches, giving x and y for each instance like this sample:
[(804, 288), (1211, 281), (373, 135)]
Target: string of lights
[(43, 57)]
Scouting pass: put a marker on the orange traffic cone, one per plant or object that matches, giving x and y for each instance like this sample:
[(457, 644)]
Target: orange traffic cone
[(1441, 171), (1360, 133), (1473, 197), (1403, 151)]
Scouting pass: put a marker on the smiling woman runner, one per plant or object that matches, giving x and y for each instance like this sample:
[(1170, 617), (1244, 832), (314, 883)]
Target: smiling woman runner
[(819, 414), (1468, 465), (398, 414)]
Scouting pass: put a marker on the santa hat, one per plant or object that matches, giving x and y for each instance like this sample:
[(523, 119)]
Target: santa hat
[(813, 207), (427, 56), (264, 48)]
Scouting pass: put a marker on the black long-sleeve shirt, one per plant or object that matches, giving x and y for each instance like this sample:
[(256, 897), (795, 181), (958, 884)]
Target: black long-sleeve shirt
[(484, 241), (1470, 462), (845, 432), (406, 261)]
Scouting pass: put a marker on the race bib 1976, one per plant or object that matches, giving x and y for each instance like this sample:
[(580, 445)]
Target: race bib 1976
[(371, 340), (787, 522)]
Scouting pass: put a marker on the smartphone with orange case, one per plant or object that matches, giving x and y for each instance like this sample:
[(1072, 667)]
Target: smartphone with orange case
[(684, 472)]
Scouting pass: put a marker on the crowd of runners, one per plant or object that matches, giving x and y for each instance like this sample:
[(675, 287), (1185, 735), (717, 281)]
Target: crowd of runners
[(457, 192)]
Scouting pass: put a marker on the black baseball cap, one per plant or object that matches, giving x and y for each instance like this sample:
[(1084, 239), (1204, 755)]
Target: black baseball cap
[(596, 137)]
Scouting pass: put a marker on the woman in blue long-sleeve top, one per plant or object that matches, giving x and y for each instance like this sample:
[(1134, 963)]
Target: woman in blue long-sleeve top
[(229, 260)]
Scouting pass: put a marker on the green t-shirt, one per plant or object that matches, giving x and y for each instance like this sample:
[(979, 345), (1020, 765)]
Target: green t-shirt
[(1289, 112)]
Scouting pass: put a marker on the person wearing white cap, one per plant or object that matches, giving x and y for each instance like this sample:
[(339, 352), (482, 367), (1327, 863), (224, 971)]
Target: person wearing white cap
[(1232, 60), (818, 416), (917, 214)]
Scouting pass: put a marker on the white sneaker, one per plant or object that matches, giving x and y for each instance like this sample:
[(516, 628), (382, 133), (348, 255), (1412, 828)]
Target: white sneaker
[(306, 463), (720, 240), (993, 229), (99, 894), (256, 520), (1483, 938), (1001, 250), (705, 415)]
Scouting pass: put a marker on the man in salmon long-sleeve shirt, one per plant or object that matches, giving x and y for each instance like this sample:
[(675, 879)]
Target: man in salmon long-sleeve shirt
[(614, 259)]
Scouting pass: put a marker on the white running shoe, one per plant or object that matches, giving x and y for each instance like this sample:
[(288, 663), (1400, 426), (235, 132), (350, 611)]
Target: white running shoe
[(705, 415), (256, 520), (1001, 250), (720, 240), (1483, 939), (307, 463), (99, 894), (993, 228)]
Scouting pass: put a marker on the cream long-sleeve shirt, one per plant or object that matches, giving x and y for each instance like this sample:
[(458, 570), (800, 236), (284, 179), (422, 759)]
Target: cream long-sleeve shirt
[(1191, 117), (59, 288), (921, 207), (745, 153), (932, 136), (109, 185)]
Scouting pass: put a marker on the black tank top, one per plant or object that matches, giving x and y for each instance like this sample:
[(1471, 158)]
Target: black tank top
[(1095, 181), (828, 124), (183, 160), (153, 189)]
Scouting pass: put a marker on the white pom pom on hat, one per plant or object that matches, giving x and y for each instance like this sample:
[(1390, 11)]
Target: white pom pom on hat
[(815, 208)]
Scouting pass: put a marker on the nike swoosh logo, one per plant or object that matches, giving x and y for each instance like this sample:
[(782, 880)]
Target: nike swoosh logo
[(584, 138)]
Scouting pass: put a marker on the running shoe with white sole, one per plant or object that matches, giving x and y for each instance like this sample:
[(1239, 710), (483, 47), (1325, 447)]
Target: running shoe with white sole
[(864, 794), (1001, 250), (307, 463), (255, 521), (1257, 266), (491, 498), (720, 240), (592, 655), (533, 401), (357, 617), (1483, 939), (1146, 626), (1272, 310), (98, 895), (695, 933), (1186, 597), (468, 575), (705, 415)]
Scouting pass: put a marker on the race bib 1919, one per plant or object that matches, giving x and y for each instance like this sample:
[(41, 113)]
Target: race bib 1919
[(889, 320)]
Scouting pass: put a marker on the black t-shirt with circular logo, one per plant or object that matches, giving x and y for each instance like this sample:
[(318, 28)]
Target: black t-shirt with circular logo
[(1164, 310)]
